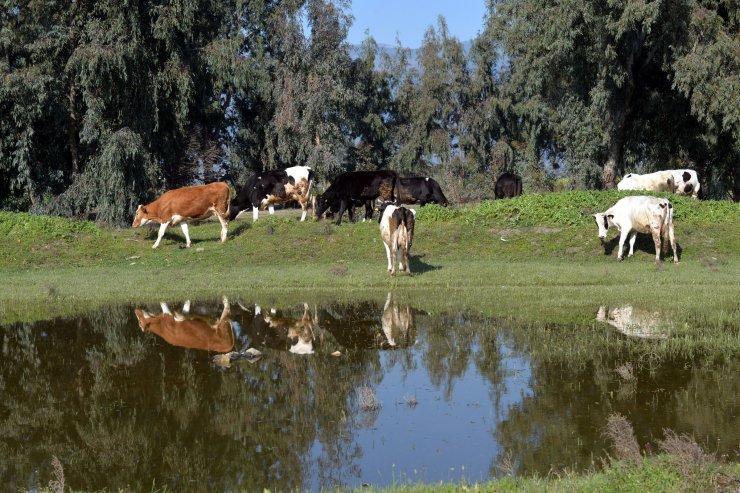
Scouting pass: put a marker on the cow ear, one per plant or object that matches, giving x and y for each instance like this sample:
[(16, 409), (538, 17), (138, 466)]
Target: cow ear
[(143, 209), (137, 209), (610, 216)]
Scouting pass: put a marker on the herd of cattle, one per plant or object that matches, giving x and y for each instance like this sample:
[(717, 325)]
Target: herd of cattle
[(630, 215)]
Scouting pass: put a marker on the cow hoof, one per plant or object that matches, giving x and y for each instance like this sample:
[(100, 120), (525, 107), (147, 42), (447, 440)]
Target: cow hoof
[(620, 259)]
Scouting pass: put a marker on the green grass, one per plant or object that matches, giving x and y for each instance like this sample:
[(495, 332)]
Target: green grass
[(655, 475), (535, 259)]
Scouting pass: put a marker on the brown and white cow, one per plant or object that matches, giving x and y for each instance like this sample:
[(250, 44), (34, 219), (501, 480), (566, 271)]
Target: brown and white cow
[(397, 232), (185, 204), (188, 330), (640, 214)]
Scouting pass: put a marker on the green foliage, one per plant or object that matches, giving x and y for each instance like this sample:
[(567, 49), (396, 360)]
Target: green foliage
[(573, 208), (42, 228)]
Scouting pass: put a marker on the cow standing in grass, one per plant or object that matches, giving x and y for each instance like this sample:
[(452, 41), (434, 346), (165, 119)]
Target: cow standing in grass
[(640, 214), (272, 187), (353, 187), (508, 186), (185, 204), (397, 232)]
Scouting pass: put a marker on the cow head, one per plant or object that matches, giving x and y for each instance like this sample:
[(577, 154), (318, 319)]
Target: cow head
[(602, 222), (319, 204), (141, 217)]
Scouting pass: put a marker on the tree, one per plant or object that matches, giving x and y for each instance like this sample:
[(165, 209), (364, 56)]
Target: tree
[(597, 75)]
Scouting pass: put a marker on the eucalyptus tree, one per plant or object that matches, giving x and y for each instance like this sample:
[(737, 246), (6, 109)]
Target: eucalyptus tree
[(597, 77), (117, 100)]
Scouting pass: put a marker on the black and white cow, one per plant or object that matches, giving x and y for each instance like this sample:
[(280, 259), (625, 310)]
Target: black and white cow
[(508, 185), (270, 187), (397, 232), (421, 190), (354, 187)]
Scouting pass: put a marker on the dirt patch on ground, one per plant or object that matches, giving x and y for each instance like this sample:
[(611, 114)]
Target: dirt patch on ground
[(545, 230)]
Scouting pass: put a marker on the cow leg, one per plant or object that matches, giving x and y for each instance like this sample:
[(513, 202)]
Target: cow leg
[(656, 239), (622, 238), (165, 308), (186, 307), (342, 208), (633, 238), (304, 206), (184, 227), (224, 226), (271, 208), (162, 229), (388, 254), (369, 209), (255, 213), (351, 212), (673, 241)]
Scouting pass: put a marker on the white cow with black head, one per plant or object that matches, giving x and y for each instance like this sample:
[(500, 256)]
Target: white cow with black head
[(640, 214)]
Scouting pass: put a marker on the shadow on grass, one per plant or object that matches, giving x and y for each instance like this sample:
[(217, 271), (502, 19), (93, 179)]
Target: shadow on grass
[(644, 243), (418, 266)]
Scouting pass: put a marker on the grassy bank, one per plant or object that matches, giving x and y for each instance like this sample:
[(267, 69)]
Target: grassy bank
[(532, 258)]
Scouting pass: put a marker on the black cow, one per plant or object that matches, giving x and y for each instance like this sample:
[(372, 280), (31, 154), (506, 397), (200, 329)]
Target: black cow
[(269, 187), (508, 185), (356, 186), (422, 190)]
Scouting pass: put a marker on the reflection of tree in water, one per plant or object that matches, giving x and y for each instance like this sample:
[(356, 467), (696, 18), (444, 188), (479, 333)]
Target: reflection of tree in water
[(121, 408), (572, 397)]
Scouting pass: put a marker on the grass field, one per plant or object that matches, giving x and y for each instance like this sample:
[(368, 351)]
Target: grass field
[(531, 257), (535, 260)]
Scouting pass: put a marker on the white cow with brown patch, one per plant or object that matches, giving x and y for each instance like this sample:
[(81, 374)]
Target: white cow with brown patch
[(397, 232), (185, 204), (640, 214)]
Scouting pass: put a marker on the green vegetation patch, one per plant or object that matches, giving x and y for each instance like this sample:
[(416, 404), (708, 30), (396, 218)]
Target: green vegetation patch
[(30, 226)]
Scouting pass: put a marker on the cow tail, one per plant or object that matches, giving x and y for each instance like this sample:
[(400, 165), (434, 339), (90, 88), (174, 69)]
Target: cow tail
[(518, 186)]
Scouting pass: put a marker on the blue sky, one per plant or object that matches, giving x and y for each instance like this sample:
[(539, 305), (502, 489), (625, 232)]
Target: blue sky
[(411, 18)]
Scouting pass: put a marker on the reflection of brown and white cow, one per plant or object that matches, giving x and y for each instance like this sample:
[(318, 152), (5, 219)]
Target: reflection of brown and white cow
[(398, 323), (397, 232), (190, 330), (183, 204), (271, 187), (298, 332), (640, 214)]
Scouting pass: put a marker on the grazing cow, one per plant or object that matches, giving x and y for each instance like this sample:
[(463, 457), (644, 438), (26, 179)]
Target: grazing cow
[(270, 187), (633, 322), (184, 204), (508, 186), (397, 232), (686, 182), (398, 324), (356, 186), (421, 190), (660, 181), (190, 331), (640, 214)]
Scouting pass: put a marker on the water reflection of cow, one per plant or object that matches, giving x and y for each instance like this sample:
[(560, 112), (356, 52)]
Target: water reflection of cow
[(356, 326), (188, 330), (282, 332), (633, 322)]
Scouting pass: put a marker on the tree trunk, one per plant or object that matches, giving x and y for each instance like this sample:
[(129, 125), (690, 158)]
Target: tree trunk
[(72, 130), (614, 163)]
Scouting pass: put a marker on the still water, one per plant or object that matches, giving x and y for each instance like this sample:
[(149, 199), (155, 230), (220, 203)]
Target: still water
[(340, 394)]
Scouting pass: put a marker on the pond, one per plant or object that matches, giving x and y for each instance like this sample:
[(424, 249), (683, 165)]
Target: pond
[(375, 392)]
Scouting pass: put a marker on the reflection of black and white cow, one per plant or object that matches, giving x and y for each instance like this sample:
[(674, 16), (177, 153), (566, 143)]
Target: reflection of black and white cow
[(640, 214), (276, 331), (421, 190), (508, 185), (660, 181), (270, 187), (352, 187), (397, 232)]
